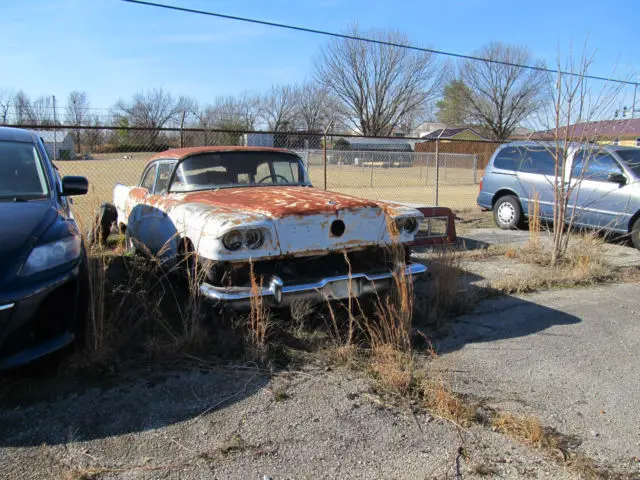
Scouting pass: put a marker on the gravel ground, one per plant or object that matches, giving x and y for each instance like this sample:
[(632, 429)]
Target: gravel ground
[(242, 424)]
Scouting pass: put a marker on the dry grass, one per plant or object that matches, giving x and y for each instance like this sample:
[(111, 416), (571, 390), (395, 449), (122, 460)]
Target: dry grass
[(446, 295), (258, 317), (534, 221), (582, 264), (393, 368), (440, 400), (137, 308), (526, 430)]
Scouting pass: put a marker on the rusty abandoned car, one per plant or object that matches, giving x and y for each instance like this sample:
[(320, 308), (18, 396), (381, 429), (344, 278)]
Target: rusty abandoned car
[(42, 257), (235, 209)]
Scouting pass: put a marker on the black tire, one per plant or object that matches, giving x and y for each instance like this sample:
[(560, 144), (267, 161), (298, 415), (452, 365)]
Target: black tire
[(635, 233), (99, 233), (507, 213)]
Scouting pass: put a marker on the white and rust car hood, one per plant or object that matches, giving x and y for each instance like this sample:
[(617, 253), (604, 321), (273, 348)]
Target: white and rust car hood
[(299, 217)]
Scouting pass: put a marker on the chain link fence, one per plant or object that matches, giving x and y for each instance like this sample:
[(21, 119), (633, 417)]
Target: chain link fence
[(443, 172)]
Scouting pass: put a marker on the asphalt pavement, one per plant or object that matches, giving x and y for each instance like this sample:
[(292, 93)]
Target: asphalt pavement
[(569, 357)]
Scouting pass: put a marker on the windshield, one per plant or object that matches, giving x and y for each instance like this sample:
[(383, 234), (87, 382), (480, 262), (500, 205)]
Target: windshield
[(237, 169), (631, 158), (22, 176)]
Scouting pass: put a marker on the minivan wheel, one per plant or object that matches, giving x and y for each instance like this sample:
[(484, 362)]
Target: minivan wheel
[(635, 233), (507, 212)]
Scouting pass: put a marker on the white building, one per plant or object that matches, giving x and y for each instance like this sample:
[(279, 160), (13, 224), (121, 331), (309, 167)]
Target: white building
[(63, 141)]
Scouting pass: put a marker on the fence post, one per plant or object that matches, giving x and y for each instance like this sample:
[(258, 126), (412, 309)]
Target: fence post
[(182, 129), (371, 179), (324, 158), (475, 169), (437, 186), (55, 140)]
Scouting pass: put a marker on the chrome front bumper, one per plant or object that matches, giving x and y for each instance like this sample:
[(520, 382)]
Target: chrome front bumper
[(330, 288)]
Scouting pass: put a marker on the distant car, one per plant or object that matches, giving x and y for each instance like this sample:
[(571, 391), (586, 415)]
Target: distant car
[(42, 257), (238, 208), (605, 181)]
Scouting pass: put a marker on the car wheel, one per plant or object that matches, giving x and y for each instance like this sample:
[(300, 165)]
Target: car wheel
[(507, 212), (635, 233), (101, 230)]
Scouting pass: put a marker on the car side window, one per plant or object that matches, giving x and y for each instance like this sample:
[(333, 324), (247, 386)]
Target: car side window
[(597, 166), (538, 160), (508, 158), (162, 181), (149, 178)]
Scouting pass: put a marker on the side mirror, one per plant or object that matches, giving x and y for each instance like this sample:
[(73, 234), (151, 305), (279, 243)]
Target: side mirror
[(73, 185), (617, 178)]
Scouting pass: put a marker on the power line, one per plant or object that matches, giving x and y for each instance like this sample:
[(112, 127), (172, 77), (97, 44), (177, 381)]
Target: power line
[(371, 40)]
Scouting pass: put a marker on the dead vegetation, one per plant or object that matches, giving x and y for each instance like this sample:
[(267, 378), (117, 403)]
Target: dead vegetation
[(139, 311), (582, 264)]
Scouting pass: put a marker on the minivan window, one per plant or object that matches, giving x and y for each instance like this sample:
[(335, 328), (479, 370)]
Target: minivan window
[(508, 158), (538, 160), (526, 159), (22, 175), (596, 166), (632, 159)]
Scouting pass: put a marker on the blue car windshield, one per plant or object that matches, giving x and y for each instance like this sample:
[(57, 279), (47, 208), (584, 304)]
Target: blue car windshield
[(22, 176), (631, 158)]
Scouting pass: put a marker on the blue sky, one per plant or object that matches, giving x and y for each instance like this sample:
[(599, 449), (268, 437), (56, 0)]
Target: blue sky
[(110, 49)]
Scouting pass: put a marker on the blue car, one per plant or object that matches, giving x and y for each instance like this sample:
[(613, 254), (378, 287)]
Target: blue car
[(43, 270), (603, 181)]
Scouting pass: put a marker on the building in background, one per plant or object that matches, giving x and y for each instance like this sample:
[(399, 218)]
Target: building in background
[(609, 132), (59, 144), (459, 133)]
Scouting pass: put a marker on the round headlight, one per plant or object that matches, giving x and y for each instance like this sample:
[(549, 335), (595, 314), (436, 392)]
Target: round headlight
[(232, 240), (253, 239), (410, 225)]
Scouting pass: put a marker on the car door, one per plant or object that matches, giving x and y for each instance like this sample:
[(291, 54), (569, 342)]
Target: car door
[(600, 191), (159, 233), (536, 179), (137, 210)]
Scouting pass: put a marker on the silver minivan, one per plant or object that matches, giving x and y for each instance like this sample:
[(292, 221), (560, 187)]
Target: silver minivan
[(604, 181)]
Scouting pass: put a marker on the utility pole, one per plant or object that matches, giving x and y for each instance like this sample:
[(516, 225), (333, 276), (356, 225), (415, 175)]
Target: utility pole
[(633, 105), (55, 143)]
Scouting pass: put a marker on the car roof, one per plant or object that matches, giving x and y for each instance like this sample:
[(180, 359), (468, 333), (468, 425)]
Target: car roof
[(181, 153), (561, 143), (17, 135)]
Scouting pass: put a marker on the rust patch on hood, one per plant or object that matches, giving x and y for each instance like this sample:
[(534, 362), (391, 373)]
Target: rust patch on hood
[(278, 202)]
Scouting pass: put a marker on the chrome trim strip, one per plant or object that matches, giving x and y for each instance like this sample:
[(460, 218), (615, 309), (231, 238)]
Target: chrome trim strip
[(278, 290), (8, 306)]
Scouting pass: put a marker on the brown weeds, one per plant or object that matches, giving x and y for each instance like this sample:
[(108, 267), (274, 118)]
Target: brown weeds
[(258, 315)]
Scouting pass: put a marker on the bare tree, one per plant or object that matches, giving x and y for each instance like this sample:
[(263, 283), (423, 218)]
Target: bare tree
[(22, 108), (501, 96), (77, 113), (6, 102), (571, 122), (154, 109), (315, 107), (229, 113), (42, 111), (377, 85), (278, 108), (93, 136)]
